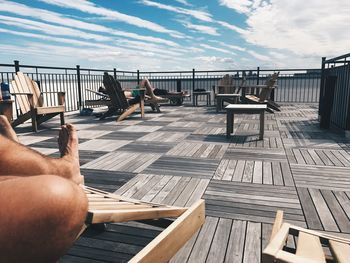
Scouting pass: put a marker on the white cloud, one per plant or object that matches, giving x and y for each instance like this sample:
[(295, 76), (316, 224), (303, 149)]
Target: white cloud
[(216, 49), (184, 2), (214, 63), (306, 28), (201, 28), (232, 27), (91, 8), (200, 15), (234, 47), (56, 18), (259, 56), (133, 48), (243, 6), (278, 55), (50, 29)]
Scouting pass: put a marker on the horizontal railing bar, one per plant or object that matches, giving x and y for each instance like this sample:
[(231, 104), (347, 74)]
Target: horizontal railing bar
[(332, 60), (338, 62), (6, 65), (46, 67), (227, 70)]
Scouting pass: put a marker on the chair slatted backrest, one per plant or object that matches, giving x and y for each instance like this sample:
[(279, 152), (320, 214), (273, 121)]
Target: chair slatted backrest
[(115, 92), (23, 84), (265, 93), (226, 85)]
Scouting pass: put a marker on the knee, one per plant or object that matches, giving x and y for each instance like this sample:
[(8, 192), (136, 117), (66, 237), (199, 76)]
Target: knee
[(56, 203), (49, 213), (64, 199)]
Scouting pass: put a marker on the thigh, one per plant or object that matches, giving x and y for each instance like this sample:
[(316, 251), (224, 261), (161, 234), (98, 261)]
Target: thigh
[(40, 217)]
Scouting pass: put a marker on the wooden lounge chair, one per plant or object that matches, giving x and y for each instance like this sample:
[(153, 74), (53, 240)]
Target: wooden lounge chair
[(119, 103), (105, 207), (264, 94), (310, 247), (30, 101)]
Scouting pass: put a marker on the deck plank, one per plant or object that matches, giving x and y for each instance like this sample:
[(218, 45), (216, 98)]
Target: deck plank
[(182, 154)]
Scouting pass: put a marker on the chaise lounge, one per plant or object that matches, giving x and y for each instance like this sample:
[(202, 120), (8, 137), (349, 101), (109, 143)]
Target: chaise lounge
[(311, 245), (105, 207)]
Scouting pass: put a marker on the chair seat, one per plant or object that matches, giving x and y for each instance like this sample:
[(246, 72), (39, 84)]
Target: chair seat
[(255, 98)]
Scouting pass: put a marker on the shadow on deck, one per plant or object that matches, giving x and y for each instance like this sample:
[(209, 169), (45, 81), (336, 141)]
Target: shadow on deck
[(180, 155)]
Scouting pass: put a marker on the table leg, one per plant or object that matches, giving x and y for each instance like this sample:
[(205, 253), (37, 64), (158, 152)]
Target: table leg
[(262, 123), (6, 109), (209, 99), (217, 104), (229, 123)]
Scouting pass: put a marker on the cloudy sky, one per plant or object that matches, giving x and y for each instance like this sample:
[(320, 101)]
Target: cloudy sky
[(174, 34)]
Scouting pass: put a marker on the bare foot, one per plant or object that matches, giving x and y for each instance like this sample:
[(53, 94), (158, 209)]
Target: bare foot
[(6, 129), (68, 146)]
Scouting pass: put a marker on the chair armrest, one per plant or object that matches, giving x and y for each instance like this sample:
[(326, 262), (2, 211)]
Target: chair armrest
[(21, 93), (51, 92), (98, 93)]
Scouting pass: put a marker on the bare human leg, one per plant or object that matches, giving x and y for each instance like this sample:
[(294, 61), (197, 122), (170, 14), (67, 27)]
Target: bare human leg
[(41, 217), (149, 89), (69, 149), (6, 129), (20, 160), (41, 213)]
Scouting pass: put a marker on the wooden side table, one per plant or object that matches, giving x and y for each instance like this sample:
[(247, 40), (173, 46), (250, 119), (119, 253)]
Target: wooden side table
[(233, 109), (201, 93), (6, 109)]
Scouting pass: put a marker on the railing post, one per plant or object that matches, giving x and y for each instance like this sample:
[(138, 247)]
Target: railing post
[(193, 83), (138, 77), (178, 85), (320, 104), (115, 73), (79, 88), (257, 75), (16, 66)]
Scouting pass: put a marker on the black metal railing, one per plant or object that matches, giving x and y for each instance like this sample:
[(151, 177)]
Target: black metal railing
[(294, 85), (334, 106)]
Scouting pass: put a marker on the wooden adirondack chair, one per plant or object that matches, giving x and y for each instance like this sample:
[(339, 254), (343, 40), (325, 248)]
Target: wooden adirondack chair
[(119, 101), (310, 248), (30, 101), (105, 207), (226, 91), (265, 93)]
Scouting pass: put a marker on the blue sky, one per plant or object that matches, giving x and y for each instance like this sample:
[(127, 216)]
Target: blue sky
[(173, 34)]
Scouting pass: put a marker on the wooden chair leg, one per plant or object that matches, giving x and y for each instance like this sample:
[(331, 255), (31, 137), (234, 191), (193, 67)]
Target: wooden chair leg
[(34, 122), (62, 118)]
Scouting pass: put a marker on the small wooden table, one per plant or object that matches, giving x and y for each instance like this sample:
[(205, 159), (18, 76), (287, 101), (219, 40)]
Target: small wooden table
[(6, 109), (233, 109), (201, 93), (220, 98)]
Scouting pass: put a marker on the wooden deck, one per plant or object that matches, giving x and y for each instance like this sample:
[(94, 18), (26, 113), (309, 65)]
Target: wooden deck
[(182, 154)]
